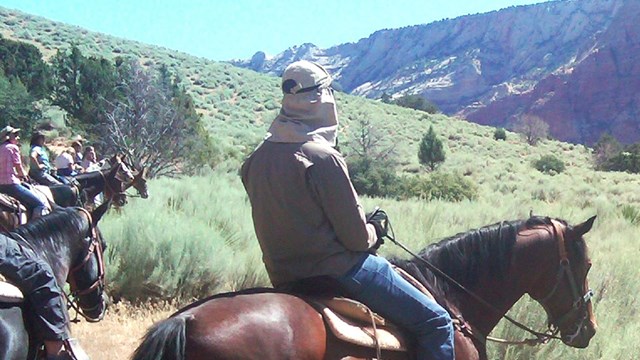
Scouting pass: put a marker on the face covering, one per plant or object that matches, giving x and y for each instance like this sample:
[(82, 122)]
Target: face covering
[(308, 110), (310, 116)]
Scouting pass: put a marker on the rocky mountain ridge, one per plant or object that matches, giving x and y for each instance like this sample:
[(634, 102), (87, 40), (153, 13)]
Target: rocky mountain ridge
[(570, 62)]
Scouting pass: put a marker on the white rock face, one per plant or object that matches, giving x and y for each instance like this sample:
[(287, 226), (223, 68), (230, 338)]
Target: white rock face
[(464, 63)]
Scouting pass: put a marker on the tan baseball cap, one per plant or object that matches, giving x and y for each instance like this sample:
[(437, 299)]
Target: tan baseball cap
[(304, 76)]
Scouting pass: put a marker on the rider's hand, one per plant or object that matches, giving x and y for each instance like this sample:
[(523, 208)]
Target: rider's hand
[(380, 222)]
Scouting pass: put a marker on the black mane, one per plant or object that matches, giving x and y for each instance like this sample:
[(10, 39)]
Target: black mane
[(54, 229), (91, 178), (469, 256)]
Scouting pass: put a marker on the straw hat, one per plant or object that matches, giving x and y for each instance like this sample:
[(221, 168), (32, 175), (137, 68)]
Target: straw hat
[(8, 130)]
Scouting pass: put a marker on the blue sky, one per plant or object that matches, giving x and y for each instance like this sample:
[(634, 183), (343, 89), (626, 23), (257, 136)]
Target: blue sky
[(228, 29)]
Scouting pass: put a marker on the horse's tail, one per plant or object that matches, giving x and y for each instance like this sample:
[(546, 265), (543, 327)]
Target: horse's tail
[(164, 340)]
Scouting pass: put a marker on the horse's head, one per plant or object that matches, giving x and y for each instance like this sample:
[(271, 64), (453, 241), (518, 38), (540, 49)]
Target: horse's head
[(140, 183), (132, 176), (117, 180), (87, 276), (563, 289)]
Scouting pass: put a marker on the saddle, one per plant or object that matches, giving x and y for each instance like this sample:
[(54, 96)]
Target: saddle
[(9, 293), (44, 194), (353, 322), (10, 204)]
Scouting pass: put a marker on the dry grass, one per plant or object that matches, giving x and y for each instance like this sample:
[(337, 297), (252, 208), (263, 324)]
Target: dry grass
[(119, 333)]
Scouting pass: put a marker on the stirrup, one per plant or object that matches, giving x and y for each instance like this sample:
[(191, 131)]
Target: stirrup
[(73, 349)]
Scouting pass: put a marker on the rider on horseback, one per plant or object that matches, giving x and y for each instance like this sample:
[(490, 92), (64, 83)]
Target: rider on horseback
[(34, 277), (40, 168), (308, 219), (11, 171)]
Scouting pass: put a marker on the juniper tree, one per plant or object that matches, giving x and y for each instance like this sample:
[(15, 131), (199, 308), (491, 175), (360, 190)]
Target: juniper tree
[(431, 152)]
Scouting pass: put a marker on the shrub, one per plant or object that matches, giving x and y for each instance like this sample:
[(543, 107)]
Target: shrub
[(532, 128), (416, 102), (606, 149), (627, 160), (372, 178), (439, 185), (500, 134), (631, 214), (549, 164)]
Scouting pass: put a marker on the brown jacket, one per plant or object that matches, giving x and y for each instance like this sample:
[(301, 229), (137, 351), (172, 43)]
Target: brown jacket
[(306, 214)]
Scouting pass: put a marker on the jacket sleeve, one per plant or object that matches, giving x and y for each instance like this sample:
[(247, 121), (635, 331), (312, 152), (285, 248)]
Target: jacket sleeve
[(339, 200)]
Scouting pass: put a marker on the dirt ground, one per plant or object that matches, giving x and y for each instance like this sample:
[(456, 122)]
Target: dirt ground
[(119, 333)]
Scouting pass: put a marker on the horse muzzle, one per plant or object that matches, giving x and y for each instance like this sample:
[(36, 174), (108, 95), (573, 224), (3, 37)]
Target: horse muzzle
[(581, 335), (97, 312)]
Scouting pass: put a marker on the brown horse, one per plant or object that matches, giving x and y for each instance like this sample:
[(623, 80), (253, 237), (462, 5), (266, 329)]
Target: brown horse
[(14, 214), (112, 182), (139, 171), (139, 182), (498, 264)]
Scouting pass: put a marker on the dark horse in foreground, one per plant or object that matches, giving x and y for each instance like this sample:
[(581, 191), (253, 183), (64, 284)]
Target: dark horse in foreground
[(69, 241), (544, 258)]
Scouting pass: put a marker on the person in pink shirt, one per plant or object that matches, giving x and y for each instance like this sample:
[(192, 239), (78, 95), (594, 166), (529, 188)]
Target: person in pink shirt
[(12, 171)]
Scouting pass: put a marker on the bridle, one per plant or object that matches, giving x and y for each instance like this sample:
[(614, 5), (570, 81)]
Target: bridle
[(109, 188), (94, 248), (580, 302), (138, 183), (125, 184)]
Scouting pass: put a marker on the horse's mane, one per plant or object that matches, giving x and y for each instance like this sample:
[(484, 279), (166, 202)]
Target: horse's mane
[(469, 256), (54, 228), (93, 177), (89, 175)]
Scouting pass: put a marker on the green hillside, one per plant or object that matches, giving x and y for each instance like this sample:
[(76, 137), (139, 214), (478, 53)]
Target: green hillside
[(237, 105), (197, 239)]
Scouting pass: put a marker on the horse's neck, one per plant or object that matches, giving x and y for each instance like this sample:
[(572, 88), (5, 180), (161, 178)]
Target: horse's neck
[(58, 256), (111, 184), (530, 256), (91, 179), (92, 183), (501, 294)]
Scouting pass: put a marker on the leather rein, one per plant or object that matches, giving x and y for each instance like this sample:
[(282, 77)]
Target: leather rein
[(580, 301), (94, 248)]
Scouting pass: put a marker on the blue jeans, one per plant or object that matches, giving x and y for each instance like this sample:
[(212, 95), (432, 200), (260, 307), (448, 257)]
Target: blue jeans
[(24, 195), (43, 177), (377, 285)]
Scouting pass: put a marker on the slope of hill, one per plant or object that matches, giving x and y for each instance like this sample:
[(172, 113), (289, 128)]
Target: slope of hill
[(238, 104), (569, 62), (196, 232)]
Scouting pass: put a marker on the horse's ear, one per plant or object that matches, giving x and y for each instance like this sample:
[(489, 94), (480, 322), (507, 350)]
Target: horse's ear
[(584, 228), (98, 212)]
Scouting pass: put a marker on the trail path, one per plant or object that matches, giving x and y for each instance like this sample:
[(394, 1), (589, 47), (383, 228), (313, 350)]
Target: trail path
[(119, 333)]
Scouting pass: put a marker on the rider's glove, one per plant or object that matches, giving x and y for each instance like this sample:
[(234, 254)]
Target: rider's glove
[(380, 221)]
